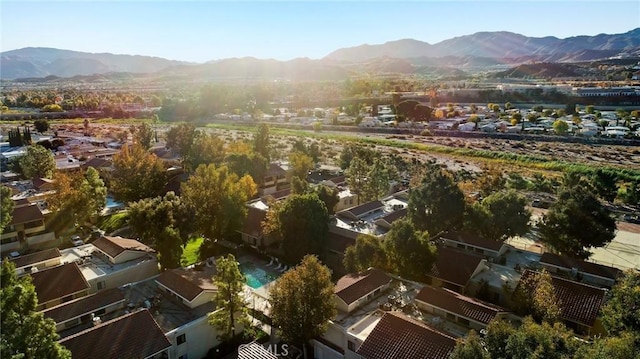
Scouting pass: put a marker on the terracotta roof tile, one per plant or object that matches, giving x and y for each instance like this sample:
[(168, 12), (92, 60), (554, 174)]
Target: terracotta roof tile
[(113, 246), (84, 305), (187, 284), (579, 303), (399, 337), (58, 282), (473, 240), (454, 266), (37, 257), (352, 287), (135, 335), (585, 267), (458, 304)]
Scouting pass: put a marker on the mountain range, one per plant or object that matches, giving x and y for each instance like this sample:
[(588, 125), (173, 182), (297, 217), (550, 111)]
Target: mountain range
[(481, 50)]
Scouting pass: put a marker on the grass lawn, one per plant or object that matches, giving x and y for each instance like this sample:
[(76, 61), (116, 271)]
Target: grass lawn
[(113, 222), (190, 252)]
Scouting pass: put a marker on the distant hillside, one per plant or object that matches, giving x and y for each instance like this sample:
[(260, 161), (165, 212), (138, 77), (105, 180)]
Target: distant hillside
[(251, 68), (541, 71), (496, 45), (41, 61)]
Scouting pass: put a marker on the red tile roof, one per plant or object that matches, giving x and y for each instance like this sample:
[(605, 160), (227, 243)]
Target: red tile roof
[(113, 246), (58, 282), (37, 257), (26, 214), (135, 335), (454, 266), (582, 266), (579, 303), (352, 287), (84, 305), (187, 284), (399, 337), (473, 240), (459, 304)]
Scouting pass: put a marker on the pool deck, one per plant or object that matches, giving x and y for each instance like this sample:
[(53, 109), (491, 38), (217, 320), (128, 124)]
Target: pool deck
[(258, 298)]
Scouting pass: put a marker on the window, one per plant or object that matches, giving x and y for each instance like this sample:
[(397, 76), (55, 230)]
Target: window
[(351, 346), (99, 312), (100, 285), (181, 339)]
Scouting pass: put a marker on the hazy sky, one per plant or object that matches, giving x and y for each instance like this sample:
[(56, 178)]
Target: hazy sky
[(205, 30)]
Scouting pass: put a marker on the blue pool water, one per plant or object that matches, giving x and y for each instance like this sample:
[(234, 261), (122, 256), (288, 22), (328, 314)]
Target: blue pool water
[(254, 276), (111, 203)]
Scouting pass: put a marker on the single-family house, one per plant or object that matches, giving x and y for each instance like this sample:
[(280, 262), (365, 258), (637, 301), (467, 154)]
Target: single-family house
[(398, 336), (582, 271), (134, 335), (455, 307), (192, 288), (352, 290), (59, 284), (453, 269), (274, 179)]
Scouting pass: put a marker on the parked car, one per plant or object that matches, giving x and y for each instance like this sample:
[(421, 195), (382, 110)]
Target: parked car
[(77, 241)]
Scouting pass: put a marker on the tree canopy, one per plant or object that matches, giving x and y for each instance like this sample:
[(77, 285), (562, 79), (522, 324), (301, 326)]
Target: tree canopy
[(217, 196), (37, 162), (576, 222), (143, 135), (205, 149), (163, 222), (25, 332), (302, 302), (231, 308), (409, 251), (302, 221), (367, 252), (437, 204), (6, 208), (622, 311), (77, 196), (500, 216), (136, 174)]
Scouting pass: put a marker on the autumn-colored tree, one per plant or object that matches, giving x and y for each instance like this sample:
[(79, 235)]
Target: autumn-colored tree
[(136, 174)]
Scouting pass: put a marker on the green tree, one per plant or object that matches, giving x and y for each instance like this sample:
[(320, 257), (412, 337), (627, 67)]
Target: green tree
[(180, 138), (77, 196), (299, 186), (136, 174), (632, 193), (576, 222), (143, 135), (205, 149), (25, 332), (437, 205), (379, 178), (6, 208), (530, 340), (41, 125), (409, 251), (470, 348), (261, 141), (589, 109), (560, 127), (303, 224), (37, 162), (535, 296), (252, 164), (357, 177), (168, 244), (231, 308), (302, 302), (367, 252), (217, 196), (500, 216), (508, 106), (605, 183), (626, 345), (329, 196), (52, 108), (622, 310), (300, 165)]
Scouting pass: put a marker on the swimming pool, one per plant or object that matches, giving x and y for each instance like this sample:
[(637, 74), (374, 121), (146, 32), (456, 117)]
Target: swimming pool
[(112, 203), (256, 277)]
